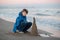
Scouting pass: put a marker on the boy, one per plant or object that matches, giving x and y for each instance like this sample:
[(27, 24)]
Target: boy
[(21, 23)]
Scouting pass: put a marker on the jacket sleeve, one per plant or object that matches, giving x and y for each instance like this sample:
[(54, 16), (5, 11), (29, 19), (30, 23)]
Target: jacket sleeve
[(25, 20), (16, 24), (18, 20)]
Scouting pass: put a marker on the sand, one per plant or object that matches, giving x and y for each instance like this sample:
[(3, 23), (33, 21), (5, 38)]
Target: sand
[(7, 34)]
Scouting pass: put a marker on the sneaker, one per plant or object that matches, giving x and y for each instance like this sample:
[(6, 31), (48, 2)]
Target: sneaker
[(21, 32)]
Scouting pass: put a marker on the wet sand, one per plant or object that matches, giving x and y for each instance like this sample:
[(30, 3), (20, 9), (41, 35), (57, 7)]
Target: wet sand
[(7, 34)]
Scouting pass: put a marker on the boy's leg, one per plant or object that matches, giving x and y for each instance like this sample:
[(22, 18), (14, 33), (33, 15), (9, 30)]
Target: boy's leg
[(27, 26), (21, 26)]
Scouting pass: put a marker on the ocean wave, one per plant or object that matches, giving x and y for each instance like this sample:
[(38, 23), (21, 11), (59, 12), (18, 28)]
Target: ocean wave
[(38, 14)]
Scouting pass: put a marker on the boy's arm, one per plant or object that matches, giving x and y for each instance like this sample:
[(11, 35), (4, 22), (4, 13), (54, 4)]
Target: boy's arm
[(18, 21), (25, 20)]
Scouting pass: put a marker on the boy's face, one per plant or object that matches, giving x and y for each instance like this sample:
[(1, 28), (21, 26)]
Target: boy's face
[(24, 13)]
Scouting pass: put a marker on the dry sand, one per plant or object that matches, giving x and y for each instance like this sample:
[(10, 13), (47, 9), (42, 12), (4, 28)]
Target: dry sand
[(6, 33)]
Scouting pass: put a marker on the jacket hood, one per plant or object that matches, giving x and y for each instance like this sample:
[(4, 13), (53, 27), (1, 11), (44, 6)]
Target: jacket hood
[(20, 13)]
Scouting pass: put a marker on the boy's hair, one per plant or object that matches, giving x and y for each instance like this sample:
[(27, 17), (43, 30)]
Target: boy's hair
[(25, 11)]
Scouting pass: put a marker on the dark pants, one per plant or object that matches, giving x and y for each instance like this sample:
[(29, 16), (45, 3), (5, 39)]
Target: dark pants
[(24, 26)]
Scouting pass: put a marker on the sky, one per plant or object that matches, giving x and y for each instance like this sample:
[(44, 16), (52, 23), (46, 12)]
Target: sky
[(28, 2)]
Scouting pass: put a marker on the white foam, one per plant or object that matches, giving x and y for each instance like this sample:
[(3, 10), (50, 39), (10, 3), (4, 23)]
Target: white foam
[(44, 35), (8, 19)]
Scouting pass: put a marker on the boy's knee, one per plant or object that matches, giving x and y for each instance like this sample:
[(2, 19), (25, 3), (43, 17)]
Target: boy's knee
[(30, 23)]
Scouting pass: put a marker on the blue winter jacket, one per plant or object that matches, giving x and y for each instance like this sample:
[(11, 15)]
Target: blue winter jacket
[(19, 19)]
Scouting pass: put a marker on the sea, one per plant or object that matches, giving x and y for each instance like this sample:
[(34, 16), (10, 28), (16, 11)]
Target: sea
[(45, 17)]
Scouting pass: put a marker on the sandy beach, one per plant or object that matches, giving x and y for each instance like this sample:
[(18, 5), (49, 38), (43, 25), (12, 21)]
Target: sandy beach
[(6, 33)]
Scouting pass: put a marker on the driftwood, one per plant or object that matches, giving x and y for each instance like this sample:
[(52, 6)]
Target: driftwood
[(34, 30)]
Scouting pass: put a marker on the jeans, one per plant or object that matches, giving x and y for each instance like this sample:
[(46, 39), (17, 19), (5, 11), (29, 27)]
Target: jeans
[(24, 26)]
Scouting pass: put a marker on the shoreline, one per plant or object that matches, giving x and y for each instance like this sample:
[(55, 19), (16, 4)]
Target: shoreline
[(56, 33), (6, 29)]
